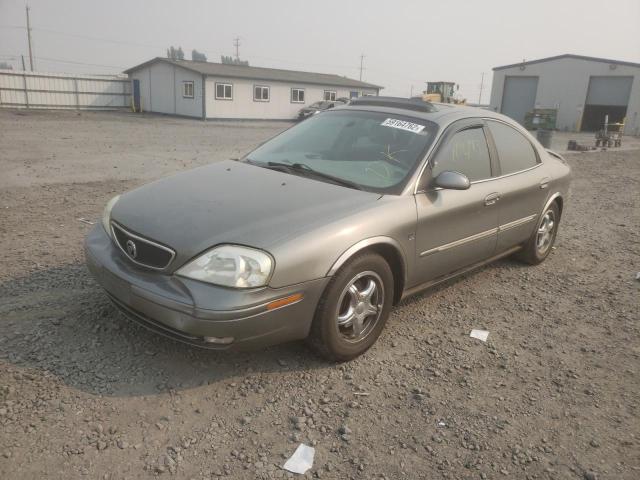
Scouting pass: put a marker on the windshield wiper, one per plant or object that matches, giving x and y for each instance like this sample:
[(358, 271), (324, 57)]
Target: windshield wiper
[(306, 169)]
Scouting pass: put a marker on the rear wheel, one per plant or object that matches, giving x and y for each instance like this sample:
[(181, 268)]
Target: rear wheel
[(539, 245), (353, 309)]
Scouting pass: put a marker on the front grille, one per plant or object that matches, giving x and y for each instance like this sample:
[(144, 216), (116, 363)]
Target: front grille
[(140, 250)]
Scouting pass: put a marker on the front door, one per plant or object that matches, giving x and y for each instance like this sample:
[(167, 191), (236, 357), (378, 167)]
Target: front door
[(456, 228)]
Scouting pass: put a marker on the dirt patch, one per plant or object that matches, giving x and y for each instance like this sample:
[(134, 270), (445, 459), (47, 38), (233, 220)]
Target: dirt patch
[(553, 394)]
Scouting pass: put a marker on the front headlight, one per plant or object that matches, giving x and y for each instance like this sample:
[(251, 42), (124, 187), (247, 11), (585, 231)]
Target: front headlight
[(230, 266), (106, 214)]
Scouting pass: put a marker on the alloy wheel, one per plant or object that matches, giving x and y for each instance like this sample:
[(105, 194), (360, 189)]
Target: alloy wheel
[(360, 306), (545, 232)]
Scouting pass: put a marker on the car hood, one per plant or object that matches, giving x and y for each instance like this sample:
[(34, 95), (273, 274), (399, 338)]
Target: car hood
[(233, 202)]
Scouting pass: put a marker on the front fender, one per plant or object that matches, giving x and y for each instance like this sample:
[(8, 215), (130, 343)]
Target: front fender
[(366, 243)]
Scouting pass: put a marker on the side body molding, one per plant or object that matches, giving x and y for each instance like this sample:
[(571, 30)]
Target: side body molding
[(367, 242)]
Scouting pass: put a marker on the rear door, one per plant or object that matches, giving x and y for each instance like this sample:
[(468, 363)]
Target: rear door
[(522, 184), (456, 228)]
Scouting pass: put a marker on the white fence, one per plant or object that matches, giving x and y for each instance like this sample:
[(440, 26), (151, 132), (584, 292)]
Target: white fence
[(61, 90)]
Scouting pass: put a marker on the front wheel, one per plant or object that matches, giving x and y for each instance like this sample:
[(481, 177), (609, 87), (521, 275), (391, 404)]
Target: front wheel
[(539, 245), (353, 309)]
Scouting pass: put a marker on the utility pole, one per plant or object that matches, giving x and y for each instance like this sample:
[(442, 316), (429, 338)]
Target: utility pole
[(29, 38), (411, 96), (481, 85), (24, 69), (361, 60), (236, 43)]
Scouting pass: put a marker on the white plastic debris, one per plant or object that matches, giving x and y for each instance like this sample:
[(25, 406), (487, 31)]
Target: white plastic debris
[(301, 460), (442, 424), (638, 276), (480, 334), (88, 222)]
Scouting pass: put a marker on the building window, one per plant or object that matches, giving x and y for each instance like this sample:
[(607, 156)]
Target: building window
[(187, 89), (260, 93), (354, 94), (224, 91), (330, 95), (297, 95)]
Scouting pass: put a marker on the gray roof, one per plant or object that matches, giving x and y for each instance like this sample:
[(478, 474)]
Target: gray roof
[(260, 73), (569, 55)]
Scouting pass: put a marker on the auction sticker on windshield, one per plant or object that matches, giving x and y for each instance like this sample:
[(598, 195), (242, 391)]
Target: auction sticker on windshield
[(402, 125)]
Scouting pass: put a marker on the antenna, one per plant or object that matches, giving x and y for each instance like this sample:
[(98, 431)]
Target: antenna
[(481, 86), (236, 43)]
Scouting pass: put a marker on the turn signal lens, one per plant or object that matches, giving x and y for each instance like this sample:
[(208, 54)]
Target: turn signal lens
[(296, 297)]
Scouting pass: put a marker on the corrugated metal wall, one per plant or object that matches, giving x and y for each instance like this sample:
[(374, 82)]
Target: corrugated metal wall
[(60, 90)]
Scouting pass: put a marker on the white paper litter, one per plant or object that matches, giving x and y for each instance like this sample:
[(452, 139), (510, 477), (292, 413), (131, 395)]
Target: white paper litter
[(301, 460), (480, 334), (442, 424)]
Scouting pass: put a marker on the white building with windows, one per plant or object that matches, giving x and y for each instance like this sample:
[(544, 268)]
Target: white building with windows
[(219, 91)]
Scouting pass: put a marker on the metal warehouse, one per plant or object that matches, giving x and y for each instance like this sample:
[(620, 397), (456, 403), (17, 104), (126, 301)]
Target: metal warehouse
[(582, 89), (222, 91)]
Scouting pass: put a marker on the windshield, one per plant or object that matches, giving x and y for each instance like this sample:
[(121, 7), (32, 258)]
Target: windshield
[(375, 151), (318, 104)]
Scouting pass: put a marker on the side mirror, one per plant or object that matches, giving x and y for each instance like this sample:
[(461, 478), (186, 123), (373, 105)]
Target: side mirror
[(452, 181)]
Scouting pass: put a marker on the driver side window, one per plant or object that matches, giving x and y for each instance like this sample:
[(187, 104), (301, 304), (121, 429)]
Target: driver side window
[(466, 152)]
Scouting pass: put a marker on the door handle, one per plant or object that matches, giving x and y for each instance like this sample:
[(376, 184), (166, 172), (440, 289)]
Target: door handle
[(544, 183), (491, 198)]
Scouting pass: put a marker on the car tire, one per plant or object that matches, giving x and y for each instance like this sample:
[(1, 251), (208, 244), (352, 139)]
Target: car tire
[(345, 324), (538, 247)]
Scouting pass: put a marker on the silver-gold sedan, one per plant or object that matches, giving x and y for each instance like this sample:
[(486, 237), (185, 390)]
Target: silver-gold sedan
[(318, 232)]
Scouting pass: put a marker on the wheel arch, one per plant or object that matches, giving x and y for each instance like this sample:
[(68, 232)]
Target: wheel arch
[(389, 249), (557, 198)]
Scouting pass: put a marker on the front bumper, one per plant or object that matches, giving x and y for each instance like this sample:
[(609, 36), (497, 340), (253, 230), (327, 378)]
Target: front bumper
[(198, 313)]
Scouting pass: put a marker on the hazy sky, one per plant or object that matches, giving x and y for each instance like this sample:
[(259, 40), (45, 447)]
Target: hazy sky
[(405, 43)]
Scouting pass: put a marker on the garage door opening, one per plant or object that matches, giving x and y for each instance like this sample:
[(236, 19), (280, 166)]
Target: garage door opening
[(606, 96), (594, 116)]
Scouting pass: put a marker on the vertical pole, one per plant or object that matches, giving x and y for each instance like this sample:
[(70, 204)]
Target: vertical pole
[(26, 92), (481, 86), (411, 96), (75, 88), (204, 98), (24, 69), (361, 60), (29, 39)]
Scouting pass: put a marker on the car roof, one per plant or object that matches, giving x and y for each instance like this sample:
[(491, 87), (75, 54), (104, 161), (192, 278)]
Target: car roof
[(439, 113)]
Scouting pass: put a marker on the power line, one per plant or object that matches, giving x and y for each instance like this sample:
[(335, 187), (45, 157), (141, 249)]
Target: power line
[(58, 60), (161, 47), (97, 39)]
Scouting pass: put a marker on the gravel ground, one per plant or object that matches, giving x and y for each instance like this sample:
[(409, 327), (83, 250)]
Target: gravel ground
[(553, 394)]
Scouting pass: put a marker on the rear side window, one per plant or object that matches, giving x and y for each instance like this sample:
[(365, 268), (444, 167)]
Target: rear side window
[(466, 152), (514, 150)]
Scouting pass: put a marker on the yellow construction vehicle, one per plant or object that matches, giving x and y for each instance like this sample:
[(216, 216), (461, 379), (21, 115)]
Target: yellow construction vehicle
[(442, 92)]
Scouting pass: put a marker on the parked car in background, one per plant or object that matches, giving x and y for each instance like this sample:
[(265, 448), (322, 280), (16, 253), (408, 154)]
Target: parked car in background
[(318, 232), (315, 107)]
